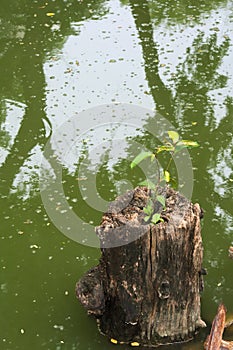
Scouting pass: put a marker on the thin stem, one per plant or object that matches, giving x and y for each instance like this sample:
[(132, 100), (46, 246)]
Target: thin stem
[(170, 160)]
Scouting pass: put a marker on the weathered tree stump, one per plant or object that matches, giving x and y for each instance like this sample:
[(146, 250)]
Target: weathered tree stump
[(147, 291)]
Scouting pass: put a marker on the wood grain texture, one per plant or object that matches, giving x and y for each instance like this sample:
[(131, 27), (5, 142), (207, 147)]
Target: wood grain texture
[(148, 291)]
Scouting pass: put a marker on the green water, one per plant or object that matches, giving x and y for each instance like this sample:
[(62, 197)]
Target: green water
[(60, 58)]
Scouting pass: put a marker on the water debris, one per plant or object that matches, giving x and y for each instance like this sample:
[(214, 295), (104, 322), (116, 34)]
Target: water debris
[(230, 251), (34, 246), (114, 341), (28, 221), (50, 14), (68, 70), (60, 327), (54, 58)]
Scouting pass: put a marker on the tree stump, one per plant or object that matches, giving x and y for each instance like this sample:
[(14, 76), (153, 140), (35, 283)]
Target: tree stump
[(147, 291)]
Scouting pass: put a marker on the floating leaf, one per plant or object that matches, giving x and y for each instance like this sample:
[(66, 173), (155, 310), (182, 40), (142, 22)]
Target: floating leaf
[(174, 136), (114, 341), (156, 218), (140, 157), (134, 343), (50, 14), (166, 176), (162, 200)]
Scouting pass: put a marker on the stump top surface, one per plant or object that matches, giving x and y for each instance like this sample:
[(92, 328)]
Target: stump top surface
[(124, 220)]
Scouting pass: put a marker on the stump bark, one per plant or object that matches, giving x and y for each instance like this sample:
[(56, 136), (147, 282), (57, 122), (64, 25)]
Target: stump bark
[(147, 290)]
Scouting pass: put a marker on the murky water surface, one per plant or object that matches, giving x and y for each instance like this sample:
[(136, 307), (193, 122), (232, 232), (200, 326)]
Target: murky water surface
[(60, 58)]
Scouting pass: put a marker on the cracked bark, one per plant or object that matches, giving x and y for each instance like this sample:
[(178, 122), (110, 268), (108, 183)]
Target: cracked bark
[(148, 289)]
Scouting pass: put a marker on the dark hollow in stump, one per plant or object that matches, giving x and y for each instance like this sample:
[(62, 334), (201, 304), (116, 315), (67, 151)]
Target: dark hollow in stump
[(147, 291)]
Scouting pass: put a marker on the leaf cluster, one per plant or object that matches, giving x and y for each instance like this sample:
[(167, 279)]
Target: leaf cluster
[(172, 145)]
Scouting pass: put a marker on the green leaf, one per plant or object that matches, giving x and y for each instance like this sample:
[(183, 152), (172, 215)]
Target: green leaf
[(179, 146), (156, 218), (173, 183), (148, 210), (188, 143), (167, 176), (165, 148), (140, 157), (146, 218), (174, 136), (152, 157), (148, 183), (162, 200)]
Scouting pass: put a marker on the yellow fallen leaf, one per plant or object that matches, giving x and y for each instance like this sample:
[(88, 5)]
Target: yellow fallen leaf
[(114, 341), (134, 343), (50, 14)]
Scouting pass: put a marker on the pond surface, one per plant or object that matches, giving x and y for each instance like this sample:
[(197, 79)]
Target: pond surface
[(59, 59)]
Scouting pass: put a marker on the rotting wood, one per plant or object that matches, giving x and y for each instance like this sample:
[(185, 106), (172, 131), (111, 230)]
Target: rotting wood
[(214, 341), (215, 337), (147, 291), (225, 345)]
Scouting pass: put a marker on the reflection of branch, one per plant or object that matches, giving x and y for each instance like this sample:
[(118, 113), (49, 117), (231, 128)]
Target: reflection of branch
[(26, 139), (161, 94), (31, 131), (201, 64), (197, 75), (22, 62), (225, 127), (224, 203)]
